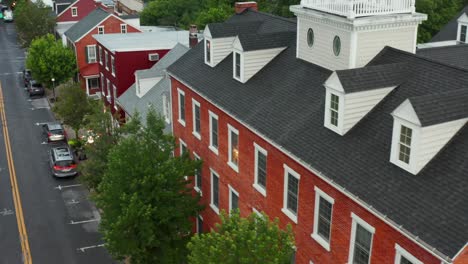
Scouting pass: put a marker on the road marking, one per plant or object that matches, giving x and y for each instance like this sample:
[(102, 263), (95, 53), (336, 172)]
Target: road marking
[(6, 212), (9, 73), (60, 187), (83, 249), (27, 259), (73, 201), (83, 222)]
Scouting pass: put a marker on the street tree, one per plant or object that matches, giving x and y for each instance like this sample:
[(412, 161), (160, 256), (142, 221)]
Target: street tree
[(238, 240), (48, 59), (178, 13), (146, 202), (32, 20), (73, 106)]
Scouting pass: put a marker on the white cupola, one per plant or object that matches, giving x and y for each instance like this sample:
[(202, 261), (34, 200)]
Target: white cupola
[(344, 34)]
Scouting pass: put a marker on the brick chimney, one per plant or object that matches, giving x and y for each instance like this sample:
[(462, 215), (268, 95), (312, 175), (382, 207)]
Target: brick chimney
[(193, 36), (241, 6)]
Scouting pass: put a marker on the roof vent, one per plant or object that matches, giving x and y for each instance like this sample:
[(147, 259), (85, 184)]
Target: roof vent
[(153, 57)]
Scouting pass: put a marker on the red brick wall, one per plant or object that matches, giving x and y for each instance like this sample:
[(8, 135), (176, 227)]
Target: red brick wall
[(462, 257), (84, 8), (385, 237), (111, 25)]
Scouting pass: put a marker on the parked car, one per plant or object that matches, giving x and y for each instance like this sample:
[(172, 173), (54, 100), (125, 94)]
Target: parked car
[(54, 132), (27, 76), (62, 162), (8, 15), (2, 9), (35, 88)]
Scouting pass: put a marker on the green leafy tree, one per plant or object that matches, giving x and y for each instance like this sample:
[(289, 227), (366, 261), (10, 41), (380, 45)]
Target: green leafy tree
[(179, 13), (48, 58), (214, 15), (32, 20), (145, 199), (237, 240), (73, 106)]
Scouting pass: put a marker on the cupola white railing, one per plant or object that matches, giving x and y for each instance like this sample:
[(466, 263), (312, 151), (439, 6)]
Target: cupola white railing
[(360, 8)]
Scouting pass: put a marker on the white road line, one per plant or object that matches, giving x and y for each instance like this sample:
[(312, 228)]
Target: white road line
[(83, 222), (60, 187), (41, 123), (6, 212), (83, 249)]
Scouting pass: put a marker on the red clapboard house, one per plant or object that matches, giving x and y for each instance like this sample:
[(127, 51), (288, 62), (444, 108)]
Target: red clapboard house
[(120, 56), (80, 38), (360, 146)]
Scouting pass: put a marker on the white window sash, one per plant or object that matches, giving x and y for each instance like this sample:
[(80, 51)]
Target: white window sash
[(231, 192), (232, 130), (319, 194), (287, 172), (359, 221), (257, 186), (181, 94), (212, 205), (213, 116), (195, 133)]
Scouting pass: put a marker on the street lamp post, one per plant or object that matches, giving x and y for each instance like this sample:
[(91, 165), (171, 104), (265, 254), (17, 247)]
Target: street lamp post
[(53, 87)]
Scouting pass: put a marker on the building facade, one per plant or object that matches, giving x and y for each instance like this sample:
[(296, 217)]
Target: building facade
[(287, 125)]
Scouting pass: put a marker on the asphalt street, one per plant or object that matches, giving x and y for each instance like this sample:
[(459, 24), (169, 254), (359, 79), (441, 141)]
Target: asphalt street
[(60, 223)]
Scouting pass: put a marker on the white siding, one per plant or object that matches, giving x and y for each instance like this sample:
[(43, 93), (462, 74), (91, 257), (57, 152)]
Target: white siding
[(146, 85), (220, 49), (370, 43), (357, 105), (434, 138), (254, 61), (321, 53)]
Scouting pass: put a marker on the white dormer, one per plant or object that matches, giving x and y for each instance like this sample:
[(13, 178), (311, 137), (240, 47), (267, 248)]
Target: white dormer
[(143, 85), (418, 137), (216, 49), (352, 94), (462, 28), (344, 34)]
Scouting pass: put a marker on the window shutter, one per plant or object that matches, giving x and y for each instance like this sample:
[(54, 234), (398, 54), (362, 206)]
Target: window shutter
[(86, 54)]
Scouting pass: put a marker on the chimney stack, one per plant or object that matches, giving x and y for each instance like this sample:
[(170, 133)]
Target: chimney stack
[(193, 36), (241, 6)]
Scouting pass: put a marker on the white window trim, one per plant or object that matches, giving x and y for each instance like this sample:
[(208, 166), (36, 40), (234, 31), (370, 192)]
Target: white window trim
[(210, 63), (460, 24), (214, 207), (258, 187), (231, 191), (115, 96), (211, 117), (74, 11), (320, 194), (102, 83), (179, 93), (357, 220), (201, 217), (412, 166), (195, 187), (231, 130), (288, 171), (99, 28), (112, 65), (401, 252), (95, 53), (195, 133), (122, 26), (327, 122), (100, 55), (257, 212), (241, 66), (108, 97), (166, 110), (106, 60), (181, 145)]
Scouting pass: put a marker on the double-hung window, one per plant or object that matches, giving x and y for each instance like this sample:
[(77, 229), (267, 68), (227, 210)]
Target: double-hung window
[(106, 62), (91, 53), (114, 88), (196, 118), (291, 193), (334, 102), (207, 51), (108, 90), (463, 29), (112, 65), (100, 55), (198, 177), (100, 30), (183, 147), (361, 241), (237, 65), (213, 132), (322, 218), (260, 173), (199, 224), (181, 104), (405, 144), (166, 109), (233, 199), (404, 257), (214, 204), (233, 138), (74, 11), (123, 28)]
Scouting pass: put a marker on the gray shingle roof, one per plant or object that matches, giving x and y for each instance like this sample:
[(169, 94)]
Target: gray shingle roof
[(449, 31), (373, 77), (456, 55), (289, 110), (443, 107), (222, 30), (86, 24), (266, 41)]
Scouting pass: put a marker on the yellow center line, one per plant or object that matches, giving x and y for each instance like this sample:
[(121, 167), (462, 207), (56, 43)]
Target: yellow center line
[(14, 186)]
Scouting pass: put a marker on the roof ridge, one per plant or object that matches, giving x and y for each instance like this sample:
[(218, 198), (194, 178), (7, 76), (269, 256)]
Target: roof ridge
[(420, 57), (458, 45), (273, 16)]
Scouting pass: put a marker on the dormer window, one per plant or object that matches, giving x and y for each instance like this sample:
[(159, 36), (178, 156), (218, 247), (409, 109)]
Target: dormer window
[(334, 102), (237, 62), (100, 30), (463, 29), (74, 11), (405, 144), (207, 51)]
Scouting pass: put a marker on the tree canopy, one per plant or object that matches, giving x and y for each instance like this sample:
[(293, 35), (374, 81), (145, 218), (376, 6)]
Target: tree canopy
[(48, 58), (237, 240), (32, 20), (146, 202)]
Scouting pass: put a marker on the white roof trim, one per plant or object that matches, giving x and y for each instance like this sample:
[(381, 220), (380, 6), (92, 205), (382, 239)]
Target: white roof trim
[(206, 32), (68, 7), (463, 19), (100, 22), (406, 112), (333, 82)]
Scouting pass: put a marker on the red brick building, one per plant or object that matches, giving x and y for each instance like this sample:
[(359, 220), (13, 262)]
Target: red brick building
[(80, 38), (288, 121), (120, 56)]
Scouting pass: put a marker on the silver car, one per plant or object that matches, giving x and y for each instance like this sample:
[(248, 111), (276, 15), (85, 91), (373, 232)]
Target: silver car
[(54, 132), (62, 162)]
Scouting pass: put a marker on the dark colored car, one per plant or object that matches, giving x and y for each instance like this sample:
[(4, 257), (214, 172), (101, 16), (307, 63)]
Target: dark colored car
[(26, 77), (54, 132), (35, 88), (62, 162)]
